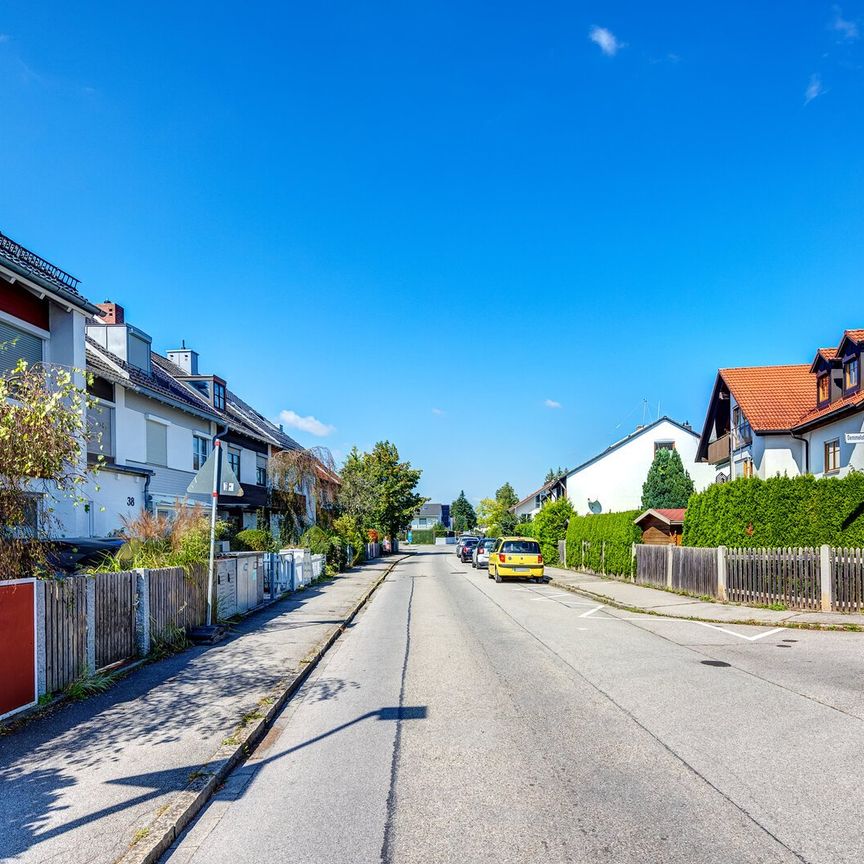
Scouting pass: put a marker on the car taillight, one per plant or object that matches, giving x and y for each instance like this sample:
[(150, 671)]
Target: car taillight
[(539, 559), (501, 557)]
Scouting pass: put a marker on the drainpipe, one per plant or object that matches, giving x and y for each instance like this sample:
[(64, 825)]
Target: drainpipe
[(806, 451)]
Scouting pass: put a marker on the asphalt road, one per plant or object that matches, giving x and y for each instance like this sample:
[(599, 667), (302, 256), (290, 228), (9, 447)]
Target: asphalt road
[(460, 720)]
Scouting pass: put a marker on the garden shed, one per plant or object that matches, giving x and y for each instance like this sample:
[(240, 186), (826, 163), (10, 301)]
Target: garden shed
[(662, 527)]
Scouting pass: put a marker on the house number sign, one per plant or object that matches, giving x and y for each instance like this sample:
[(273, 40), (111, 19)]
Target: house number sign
[(855, 437)]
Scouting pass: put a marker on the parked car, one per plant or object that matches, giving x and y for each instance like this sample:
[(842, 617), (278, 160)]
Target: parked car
[(467, 549), (516, 558), (480, 556), (461, 541)]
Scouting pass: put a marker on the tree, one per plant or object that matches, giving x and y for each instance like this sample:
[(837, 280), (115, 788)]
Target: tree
[(379, 490), (462, 515), (298, 477), (43, 443), (668, 484), (496, 514), (550, 526), (554, 474)]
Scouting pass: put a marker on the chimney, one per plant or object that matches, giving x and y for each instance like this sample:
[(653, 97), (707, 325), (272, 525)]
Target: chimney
[(185, 358), (112, 313)]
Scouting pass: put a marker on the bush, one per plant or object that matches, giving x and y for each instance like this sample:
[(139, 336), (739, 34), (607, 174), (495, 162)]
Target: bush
[(610, 539), (253, 540), (326, 543), (348, 533), (423, 536), (779, 511), (550, 526)]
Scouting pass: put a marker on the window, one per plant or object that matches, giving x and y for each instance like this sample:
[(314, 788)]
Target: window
[(157, 443), (664, 445), (422, 521), (747, 468), (743, 432), (100, 430), (219, 396), (823, 388), (234, 461), (200, 451), (832, 455), (261, 470), (18, 345), (521, 547), (850, 374)]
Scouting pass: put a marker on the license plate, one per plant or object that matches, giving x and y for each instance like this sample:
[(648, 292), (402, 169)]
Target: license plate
[(520, 569)]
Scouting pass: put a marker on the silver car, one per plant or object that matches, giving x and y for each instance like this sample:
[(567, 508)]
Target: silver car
[(480, 558), (461, 542)]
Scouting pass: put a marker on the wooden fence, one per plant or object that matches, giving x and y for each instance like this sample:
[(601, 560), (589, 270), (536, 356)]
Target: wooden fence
[(116, 600), (651, 564), (694, 570), (177, 600), (847, 566), (791, 577), (65, 631)]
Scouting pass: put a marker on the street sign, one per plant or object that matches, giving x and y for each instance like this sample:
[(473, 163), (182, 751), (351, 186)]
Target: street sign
[(855, 437), (202, 482)]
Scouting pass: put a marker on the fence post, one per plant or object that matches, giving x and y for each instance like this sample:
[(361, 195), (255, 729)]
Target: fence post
[(90, 607), (632, 562), (826, 576), (669, 565), (142, 612), (41, 638), (721, 574)]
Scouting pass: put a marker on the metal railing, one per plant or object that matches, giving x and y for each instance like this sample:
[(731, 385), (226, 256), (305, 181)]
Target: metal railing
[(16, 253)]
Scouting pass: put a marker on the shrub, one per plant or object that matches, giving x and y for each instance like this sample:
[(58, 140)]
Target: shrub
[(253, 540), (423, 536), (610, 539), (550, 526), (668, 484), (348, 533), (779, 511)]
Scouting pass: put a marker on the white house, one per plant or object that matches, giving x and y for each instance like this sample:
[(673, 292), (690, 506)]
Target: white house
[(42, 320), (797, 419), (430, 515), (612, 480), (531, 504)]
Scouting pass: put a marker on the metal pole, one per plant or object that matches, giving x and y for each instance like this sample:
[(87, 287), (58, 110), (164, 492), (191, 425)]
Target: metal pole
[(215, 495)]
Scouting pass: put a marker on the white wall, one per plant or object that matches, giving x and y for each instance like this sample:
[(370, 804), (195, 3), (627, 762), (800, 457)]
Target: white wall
[(110, 501), (528, 508), (615, 479), (851, 455)]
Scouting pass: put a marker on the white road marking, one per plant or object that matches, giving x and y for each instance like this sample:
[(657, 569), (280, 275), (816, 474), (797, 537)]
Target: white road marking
[(591, 611)]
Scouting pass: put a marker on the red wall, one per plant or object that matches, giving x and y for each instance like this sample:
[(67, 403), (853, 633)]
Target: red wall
[(17, 643), (24, 305)]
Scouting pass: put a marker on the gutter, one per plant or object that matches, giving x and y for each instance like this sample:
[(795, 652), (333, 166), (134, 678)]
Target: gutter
[(55, 291)]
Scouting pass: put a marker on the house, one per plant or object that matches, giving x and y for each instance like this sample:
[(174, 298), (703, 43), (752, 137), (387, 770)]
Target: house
[(612, 480), (662, 527), (806, 418), (430, 515), (42, 320), (156, 434), (531, 504)]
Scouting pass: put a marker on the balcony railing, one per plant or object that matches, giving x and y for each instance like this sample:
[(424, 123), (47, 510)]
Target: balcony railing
[(30, 260), (718, 451)]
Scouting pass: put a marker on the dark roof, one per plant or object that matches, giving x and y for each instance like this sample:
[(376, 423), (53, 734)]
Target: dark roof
[(543, 488), (159, 383), (27, 263), (429, 509)]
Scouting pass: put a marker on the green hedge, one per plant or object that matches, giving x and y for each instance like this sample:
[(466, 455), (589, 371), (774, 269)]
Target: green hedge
[(779, 511), (614, 532), (253, 540), (423, 536), (548, 527)]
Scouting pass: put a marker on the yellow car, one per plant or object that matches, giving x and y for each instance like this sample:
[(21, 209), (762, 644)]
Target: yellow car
[(515, 558)]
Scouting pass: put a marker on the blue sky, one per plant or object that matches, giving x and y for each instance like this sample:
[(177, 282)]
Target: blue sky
[(486, 232)]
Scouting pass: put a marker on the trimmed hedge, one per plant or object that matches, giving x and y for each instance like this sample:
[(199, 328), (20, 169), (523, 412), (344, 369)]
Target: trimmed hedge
[(253, 540), (779, 511), (425, 536), (618, 533)]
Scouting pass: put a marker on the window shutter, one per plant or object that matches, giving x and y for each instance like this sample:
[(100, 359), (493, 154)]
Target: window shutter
[(157, 443), (26, 347)]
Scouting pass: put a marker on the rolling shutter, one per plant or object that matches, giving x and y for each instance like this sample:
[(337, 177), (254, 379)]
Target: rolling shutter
[(17, 345), (157, 443)]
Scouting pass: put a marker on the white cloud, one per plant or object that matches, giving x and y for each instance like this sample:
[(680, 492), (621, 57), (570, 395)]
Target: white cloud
[(439, 412), (551, 403), (605, 40), (847, 29), (814, 89), (308, 424)]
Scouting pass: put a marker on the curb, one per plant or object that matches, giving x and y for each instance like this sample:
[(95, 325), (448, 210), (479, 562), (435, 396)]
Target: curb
[(157, 836), (790, 624)]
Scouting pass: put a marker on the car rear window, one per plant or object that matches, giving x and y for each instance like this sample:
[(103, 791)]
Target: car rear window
[(489, 544), (521, 547), (469, 543)]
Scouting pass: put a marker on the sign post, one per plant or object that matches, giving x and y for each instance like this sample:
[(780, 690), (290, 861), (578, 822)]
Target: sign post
[(215, 478)]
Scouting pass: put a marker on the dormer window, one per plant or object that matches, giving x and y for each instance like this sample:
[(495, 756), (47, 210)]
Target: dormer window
[(218, 396), (823, 388), (850, 374)]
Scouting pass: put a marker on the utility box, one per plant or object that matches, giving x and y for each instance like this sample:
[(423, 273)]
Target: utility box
[(226, 587)]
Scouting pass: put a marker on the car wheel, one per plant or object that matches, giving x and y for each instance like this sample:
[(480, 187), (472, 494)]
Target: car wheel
[(498, 576)]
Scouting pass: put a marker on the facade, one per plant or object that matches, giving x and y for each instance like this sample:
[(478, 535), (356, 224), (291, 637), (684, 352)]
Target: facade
[(531, 504), (430, 515), (612, 481), (662, 527), (796, 419), (42, 320)]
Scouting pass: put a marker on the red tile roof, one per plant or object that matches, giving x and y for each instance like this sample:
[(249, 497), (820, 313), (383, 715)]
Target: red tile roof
[(855, 335), (828, 353), (773, 398), (673, 514)]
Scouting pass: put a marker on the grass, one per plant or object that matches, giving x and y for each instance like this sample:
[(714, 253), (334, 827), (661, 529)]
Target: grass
[(170, 640), (90, 683), (139, 835)]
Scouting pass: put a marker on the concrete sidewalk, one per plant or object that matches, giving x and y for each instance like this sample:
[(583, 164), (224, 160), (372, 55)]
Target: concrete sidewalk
[(674, 605), (86, 782)]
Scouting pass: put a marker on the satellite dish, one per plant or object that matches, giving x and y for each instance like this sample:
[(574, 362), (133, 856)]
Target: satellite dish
[(595, 506)]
